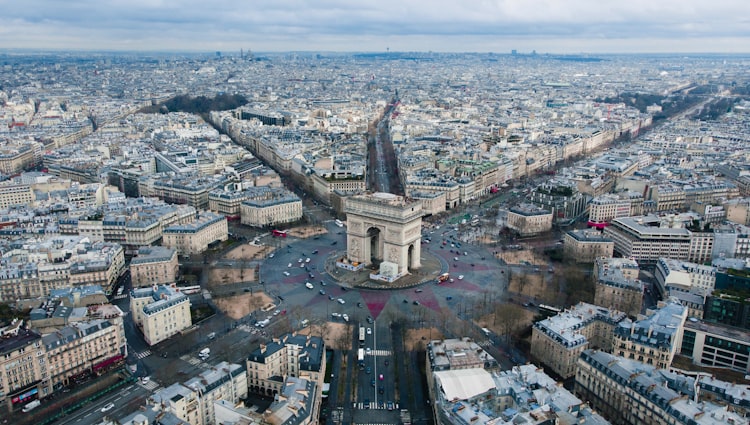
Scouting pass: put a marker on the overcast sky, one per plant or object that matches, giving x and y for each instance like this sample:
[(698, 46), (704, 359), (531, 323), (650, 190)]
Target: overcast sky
[(547, 26)]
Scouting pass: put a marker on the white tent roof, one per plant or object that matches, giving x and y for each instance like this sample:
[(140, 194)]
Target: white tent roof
[(463, 384)]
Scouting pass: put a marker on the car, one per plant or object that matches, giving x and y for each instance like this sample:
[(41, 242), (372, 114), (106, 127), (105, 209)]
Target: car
[(276, 313), (359, 305), (307, 260), (330, 297), (315, 252), (334, 242), (369, 331), (300, 260), (455, 258), (449, 298), (322, 292), (289, 265), (415, 302), (368, 350), (406, 301), (271, 255), (312, 276), (368, 370), (323, 283), (460, 277), (381, 390), (286, 273), (417, 290), (309, 285), (107, 407), (369, 319), (381, 377), (341, 301), (302, 265), (389, 405)]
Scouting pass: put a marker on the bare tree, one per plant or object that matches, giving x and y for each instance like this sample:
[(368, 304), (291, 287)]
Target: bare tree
[(523, 281), (508, 317)]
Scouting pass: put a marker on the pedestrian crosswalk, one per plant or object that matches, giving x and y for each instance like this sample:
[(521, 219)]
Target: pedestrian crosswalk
[(192, 360), (380, 353), (485, 343), (373, 405), (150, 385), (143, 354), (121, 296)]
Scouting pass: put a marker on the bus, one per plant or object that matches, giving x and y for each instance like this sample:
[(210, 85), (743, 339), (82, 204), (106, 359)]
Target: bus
[(189, 290), (361, 336), (361, 357), (279, 233), (548, 310)]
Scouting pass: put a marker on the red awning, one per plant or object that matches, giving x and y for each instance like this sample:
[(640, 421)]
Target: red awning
[(108, 362)]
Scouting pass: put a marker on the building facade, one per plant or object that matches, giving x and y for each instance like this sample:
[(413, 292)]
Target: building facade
[(557, 341), (160, 312), (154, 266)]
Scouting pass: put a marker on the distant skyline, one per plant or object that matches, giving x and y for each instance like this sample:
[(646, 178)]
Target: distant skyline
[(547, 26)]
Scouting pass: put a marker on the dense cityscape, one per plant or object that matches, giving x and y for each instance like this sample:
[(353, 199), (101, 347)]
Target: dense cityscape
[(374, 238)]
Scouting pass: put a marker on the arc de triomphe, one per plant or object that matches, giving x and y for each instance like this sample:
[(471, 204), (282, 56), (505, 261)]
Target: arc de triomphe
[(384, 227)]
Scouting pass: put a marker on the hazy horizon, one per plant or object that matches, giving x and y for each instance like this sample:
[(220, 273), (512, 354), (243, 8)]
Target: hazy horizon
[(546, 26)]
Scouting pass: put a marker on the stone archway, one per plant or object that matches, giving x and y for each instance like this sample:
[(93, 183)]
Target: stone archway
[(384, 227), (375, 245)]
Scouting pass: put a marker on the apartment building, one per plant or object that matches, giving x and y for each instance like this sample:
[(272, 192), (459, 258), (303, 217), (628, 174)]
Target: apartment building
[(562, 198), (224, 381), (648, 238), (191, 188), (180, 401), (17, 157), (674, 276), (433, 203), (23, 363), (430, 182), (325, 184), (83, 349), (523, 394), (102, 265), (585, 246), (529, 220), (617, 285), (59, 262), (654, 338), (195, 237), (160, 312), (605, 208), (629, 392), (154, 265), (298, 403), (716, 345), (458, 353), (270, 207), (290, 355), (13, 193), (667, 197), (557, 341)]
